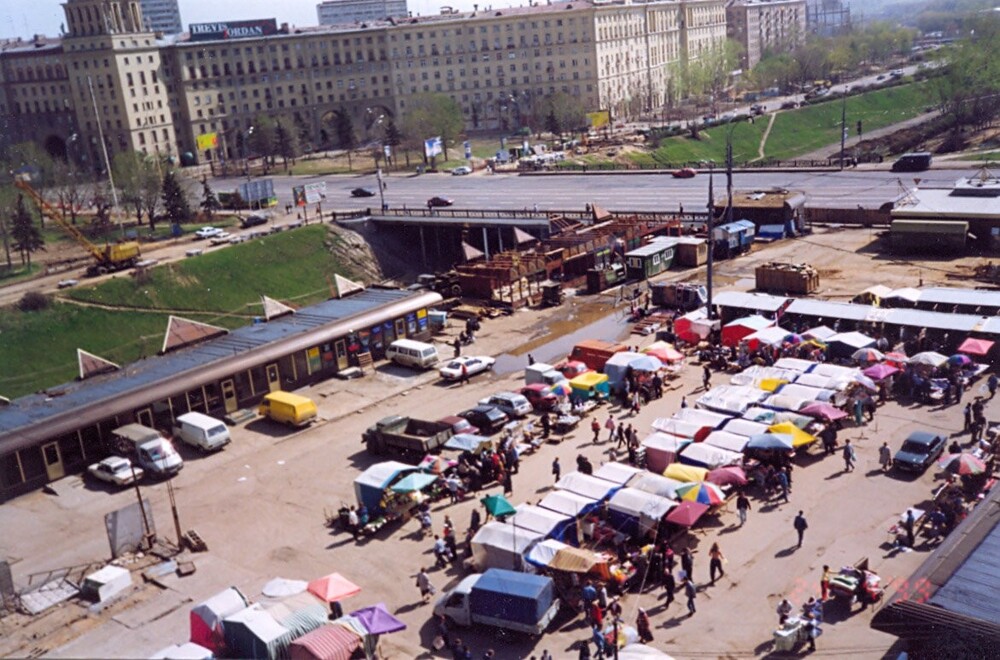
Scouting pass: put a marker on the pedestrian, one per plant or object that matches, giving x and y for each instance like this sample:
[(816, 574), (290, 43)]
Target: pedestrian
[(546, 424), (424, 584), (596, 615), (992, 383), (782, 478), (440, 552), (691, 593), (908, 524), (465, 374), (508, 485), (684, 402), (716, 558), (643, 628), (602, 597), (598, 638), (968, 417), (706, 378), (531, 359), (849, 456), (475, 521), (584, 651), (610, 426), (885, 456), (556, 468), (824, 583), (687, 563), (801, 526), (784, 611), (859, 410), (812, 631), (353, 523), (621, 436), (595, 426), (669, 586), (457, 347), (615, 609), (636, 402), (742, 507)]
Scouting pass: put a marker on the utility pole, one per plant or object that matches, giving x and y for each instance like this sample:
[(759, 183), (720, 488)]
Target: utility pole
[(729, 180), (711, 212), (104, 150), (843, 130)]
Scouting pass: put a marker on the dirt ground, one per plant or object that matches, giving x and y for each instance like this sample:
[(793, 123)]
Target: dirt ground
[(262, 502)]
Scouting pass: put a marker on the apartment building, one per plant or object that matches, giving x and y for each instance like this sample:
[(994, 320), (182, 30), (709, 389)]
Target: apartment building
[(162, 16), (159, 94), (341, 12), (762, 26)]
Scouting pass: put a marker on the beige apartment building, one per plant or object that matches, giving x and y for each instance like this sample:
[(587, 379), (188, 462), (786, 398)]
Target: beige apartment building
[(157, 94), (762, 26)]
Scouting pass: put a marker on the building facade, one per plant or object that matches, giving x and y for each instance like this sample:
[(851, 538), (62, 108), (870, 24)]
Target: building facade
[(342, 12), (162, 16), (159, 95), (762, 26)]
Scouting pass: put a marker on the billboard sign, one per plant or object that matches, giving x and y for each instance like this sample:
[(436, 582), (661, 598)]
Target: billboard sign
[(233, 29), (208, 141), (468, 150), (258, 190), (432, 147), (311, 193)]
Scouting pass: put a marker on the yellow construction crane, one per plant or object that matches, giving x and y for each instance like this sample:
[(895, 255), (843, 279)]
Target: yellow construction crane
[(112, 257)]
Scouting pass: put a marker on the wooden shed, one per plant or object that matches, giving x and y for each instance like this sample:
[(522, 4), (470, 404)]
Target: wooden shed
[(649, 260)]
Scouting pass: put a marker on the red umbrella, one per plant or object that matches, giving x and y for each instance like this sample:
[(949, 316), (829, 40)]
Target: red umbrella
[(898, 358), (333, 587), (974, 346), (824, 410), (729, 474), (963, 464), (687, 513)]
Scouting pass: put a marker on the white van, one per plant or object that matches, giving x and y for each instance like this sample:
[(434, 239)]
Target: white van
[(201, 431), (410, 353), (540, 372), (153, 452)]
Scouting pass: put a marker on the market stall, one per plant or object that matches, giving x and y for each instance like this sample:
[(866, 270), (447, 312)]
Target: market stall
[(726, 440), (587, 485), (656, 484), (741, 426), (756, 374), (731, 399), (680, 428), (701, 416), (207, 618), (685, 473), (795, 364), (371, 485), (800, 391), (615, 472), (502, 545), (635, 512), (558, 556), (700, 454), (590, 386), (662, 449), (550, 524), (470, 442), (844, 344), (736, 331), (567, 503), (336, 641), (253, 633)]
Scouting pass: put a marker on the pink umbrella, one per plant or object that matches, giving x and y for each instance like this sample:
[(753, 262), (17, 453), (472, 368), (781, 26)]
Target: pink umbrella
[(729, 474), (687, 513), (333, 587), (880, 371), (824, 410), (974, 346)]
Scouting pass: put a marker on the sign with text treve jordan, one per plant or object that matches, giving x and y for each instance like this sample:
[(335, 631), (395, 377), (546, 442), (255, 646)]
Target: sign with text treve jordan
[(233, 29)]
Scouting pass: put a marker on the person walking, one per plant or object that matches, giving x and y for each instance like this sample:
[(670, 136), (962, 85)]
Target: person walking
[(824, 583), (706, 378), (885, 456), (782, 477), (992, 383), (687, 563), (784, 610), (610, 426), (742, 507), (508, 485), (669, 586), (556, 468), (465, 374), (457, 347), (691, 593), (801, 526), (642, 627), (475, 521), (968, 417), (424, 584), (684, 402), (849, 456), (595, 426), (546, 424), (908, 524), (715, 561)]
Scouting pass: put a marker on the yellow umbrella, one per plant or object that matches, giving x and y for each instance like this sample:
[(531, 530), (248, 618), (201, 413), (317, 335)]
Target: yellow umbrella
[(681, 472), (771, 384), (799, 437)]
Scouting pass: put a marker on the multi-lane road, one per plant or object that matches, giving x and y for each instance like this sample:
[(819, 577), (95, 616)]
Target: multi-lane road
[(640, 192)]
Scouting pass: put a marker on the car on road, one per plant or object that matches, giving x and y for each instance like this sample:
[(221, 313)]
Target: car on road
[(789, 105), (539, 396), (919, 450), (439, 201), (881, 76), (684, 173), (460, 425), (115, 470), (220, 238), (254, 220), (208, 232), (514, 405), (489, 419), (462, 170), (362, 192), (474, 364)]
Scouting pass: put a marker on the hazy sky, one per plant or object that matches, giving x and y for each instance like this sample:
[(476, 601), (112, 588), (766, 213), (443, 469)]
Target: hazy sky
[(24, 18)]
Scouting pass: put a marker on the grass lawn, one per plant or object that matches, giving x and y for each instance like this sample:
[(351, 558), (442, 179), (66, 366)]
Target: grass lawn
[(291, 265), (991, 156), (17, 272)]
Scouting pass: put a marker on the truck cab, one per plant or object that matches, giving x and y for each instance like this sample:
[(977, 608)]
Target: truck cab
[(153, 452), (455, 604)]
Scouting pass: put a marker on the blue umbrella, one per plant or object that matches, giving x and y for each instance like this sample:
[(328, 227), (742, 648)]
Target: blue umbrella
[(959, 360), (770, 441), (646, 363), (413, 481)]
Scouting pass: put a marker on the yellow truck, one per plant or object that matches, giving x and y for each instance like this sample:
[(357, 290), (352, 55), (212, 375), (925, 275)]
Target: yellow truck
[(288, 408)]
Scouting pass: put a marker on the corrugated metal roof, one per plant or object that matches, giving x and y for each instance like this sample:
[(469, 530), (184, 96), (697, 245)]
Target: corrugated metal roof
[(940, 204), (919, 318), (758, 301), (833, 310), (929, 227), (656, 247), (954, 296), (973, 588), (34, 408)]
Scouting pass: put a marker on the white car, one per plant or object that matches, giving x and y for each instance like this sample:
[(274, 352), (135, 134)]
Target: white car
[(514, 405), (474, 364), (464, 169), (208, 232), (220, 238), (116, 470)]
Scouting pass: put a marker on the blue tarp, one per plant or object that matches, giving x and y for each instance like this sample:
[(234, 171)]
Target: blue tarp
[(520, 597), (370, 485)]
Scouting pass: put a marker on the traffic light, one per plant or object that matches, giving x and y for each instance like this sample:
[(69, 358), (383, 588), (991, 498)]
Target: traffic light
[(859, 127)]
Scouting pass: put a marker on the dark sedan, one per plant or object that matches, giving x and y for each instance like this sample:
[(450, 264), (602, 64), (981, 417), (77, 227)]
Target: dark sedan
[(362, 192), (489, 419), (439, 201), (919, 450)]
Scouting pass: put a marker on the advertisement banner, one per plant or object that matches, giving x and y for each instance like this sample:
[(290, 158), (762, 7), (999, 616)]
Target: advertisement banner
[(233, 29), (468, 150), (599, 118), (432, 147), (208, 141)]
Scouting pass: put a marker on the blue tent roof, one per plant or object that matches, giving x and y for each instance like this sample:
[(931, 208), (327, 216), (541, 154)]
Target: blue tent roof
[(525, 585)]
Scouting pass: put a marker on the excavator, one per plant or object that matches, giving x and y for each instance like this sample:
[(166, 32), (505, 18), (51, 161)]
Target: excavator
[(112, 257)]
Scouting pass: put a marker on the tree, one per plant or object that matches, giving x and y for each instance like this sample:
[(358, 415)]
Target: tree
[(138, 178), (286, 144), (68, 182), (431, 115), (175, 201), (209, 201), (262, 139), (27, 236), (393, 138), (971, 77), (562, 113), (346, 136), (102, 208)]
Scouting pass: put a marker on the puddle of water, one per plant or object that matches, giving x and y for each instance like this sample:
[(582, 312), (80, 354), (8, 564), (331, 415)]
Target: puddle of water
[(589, 321)]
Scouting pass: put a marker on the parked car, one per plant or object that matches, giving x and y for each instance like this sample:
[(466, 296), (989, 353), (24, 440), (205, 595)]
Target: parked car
[(919, 450), (514, 405), (208, 232), (684, 173), (474, 364), (789, 105), (460, 425), (362, 192), (254, 220), (462, 170), (115, 470), (220, 238), (539, 396), (489, 419), (439, 201)]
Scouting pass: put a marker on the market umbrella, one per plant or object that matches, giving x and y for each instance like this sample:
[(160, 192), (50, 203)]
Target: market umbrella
[(378, 620), (413, 481), (769, 441), (687, 513), (663, 351), (498, 506), (686, 473), (867, 355), (728, 475), (928, 358), (865, 381), (963, 464), (898, 358), (282, 588), (823, 411), (561, 388), (880, 371), (794, 338), (436, 464), (701, 491), (959, 360), (646, 363), (333, 587), (799, 437), (974, 346)]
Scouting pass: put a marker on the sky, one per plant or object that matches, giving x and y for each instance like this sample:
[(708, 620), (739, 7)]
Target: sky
[(25, 18)]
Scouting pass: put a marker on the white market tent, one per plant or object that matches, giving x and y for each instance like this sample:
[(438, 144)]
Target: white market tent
[(820, 332), (615, 472), (731, 399), (502, 545), (727, 440), (587, 485), (633, 510), (805, 392), (835, 371), (681, 428), (753, 375), (795, 364), (745, 427), (661, 450), (823, 382), (570, 504), (701, 455), (700, 416), (537, 519), (786, 402), (657, 484), (772, 336)]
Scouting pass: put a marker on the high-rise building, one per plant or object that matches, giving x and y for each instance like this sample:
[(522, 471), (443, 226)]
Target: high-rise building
[(345, 12), (828, 18), (162, 16), (761, 26)]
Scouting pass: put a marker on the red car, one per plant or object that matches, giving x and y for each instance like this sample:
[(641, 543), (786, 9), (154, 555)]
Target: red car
[(460, 425), (539, 396), (684, 173)]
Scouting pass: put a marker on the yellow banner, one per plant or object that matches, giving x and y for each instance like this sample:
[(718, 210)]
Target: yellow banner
[(599, 118), (208, 141)]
